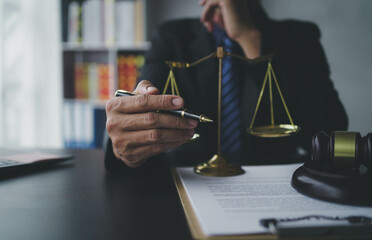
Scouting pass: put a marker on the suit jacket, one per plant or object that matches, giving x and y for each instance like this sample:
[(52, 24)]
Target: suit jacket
[(300, 66)]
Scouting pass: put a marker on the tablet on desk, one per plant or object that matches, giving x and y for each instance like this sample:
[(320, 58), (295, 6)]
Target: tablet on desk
[(12, 159)]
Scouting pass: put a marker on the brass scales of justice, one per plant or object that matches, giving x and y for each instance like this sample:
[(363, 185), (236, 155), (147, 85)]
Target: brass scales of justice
[(218, 166)]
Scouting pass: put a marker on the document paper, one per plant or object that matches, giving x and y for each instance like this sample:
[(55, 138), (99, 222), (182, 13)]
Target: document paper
[(235, 205)]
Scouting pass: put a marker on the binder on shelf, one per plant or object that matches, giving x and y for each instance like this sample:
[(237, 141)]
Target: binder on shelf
[(92, 22), (109, 22), (99, 126), (124, 15), (78, 136), (83, 124), (129, 22), (139, 23), (87, 126), (67, 125)]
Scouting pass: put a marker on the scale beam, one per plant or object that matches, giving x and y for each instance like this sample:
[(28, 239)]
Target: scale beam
[(218, 165)]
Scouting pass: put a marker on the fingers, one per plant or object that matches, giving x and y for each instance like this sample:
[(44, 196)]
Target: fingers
[(144, 103), (212, 13), (146, 87), (232, 16), (207, 14), (202, 2), (137, 131), (218, 18), (149, 120)]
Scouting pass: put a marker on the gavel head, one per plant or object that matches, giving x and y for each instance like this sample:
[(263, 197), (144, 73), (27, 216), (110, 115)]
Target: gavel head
[(341, 151)]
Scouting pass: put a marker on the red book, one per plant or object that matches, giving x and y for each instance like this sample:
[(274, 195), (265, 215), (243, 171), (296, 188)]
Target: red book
[(103, 81), (79, 81)]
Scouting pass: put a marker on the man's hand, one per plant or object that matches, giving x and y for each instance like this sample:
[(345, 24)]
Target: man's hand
[(230, 15), (236, 18), (137, 132)]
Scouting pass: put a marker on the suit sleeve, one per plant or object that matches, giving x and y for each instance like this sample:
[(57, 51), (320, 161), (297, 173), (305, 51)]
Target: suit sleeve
[(320, 107)]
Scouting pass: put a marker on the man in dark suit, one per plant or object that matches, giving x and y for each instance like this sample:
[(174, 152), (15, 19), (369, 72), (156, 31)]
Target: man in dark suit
[(137, 133)]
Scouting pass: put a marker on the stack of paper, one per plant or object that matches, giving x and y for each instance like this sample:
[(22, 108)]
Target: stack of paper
[(220, 206)]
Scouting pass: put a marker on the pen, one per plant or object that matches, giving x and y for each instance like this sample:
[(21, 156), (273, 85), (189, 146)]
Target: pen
[(180, 112)]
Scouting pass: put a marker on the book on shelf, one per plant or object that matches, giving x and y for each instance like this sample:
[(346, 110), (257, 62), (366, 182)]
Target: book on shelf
[(95, 22), (92, 22), (99, 126), (92, 81), (83, 125), (129, 24), (74, 22), (129, 66), (109, 21), (78, 81), (124, 15), (104, 82), (139, 23)]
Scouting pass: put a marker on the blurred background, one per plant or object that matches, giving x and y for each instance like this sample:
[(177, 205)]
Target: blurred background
[(60, 60)]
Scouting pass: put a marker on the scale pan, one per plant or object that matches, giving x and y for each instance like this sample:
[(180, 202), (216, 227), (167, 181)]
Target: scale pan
[(273, 131)]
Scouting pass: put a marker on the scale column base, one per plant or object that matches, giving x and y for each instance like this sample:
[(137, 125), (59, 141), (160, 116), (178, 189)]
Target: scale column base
[(218, 166)]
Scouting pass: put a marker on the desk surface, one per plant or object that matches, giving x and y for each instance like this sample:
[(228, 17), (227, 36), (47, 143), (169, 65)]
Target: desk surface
[(80, 200)]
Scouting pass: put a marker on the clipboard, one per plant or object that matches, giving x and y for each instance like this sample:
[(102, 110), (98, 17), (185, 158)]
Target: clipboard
[(281, 232), (194, 224)]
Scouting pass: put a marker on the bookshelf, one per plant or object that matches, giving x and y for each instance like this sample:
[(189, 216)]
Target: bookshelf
[(103, 46)]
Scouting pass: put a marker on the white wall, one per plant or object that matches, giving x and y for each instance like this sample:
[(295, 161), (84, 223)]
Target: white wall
[(30, 81), (346, 27)]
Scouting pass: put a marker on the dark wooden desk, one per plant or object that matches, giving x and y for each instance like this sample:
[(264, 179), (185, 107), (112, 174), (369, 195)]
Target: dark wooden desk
[(80, 200)]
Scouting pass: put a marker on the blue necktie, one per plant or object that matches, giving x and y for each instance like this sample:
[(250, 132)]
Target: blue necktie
[(231, 122)]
